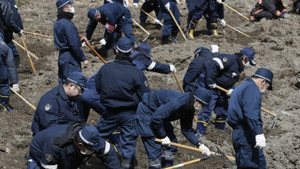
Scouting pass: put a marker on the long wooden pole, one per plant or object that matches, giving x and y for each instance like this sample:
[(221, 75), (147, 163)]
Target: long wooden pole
[(177, 25), (33, 55), (28, 55), (26, 101)]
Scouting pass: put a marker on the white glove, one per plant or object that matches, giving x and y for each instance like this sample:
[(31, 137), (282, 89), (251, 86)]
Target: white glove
[(177, 1), (212, 86), (229, 92), (219, 1), (126, 3), (172, 68), (167, 6), (102, 42), (21, 32), (156, 21), (110, 1), (204, 149), (166, 141), (214, 48), (83, 44), (260, 141), (16, 87), (223, 22), (135, 5)]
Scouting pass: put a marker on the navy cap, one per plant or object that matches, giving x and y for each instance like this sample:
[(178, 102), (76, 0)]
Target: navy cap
[(62, 3), (78, 79), (91, 136), (124, 45), (249, 53), (265, 74), (203, 95), (92, 13), (201, 49)]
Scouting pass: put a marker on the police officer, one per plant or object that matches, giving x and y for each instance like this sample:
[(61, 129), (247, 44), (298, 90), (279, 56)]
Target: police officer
[(8, 72), (223, 70), (149, 6), (169, 28), (116, 18), (69, 146), (269, 9), (244, 116), (58, 105), (192, 75), (154, 115), (67, 41), (7, 22), (296, 6), (121, 86)]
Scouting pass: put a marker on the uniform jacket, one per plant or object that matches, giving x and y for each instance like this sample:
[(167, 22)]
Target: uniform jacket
[(223, 70), (274, 7), (66, 38), (121, 84), (112, 15), (6, 20), (7, 64), (55, 107), (167, 106)]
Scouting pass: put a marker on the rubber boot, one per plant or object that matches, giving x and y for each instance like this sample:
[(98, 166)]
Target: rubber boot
[(201, 128), (173, 38), (143, 23), (17, 60), (4, 104), (115, 140), (191, 29), (164, 39), (214, 28), (167, 159), (154, 164), (220, 124)]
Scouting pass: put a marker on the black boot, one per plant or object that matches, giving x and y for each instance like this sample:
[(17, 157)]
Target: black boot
[(173, 38), (143, 23), (17, 60), (164, 39)]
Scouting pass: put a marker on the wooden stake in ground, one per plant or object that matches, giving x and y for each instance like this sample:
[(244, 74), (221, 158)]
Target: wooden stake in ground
[(28, 55)]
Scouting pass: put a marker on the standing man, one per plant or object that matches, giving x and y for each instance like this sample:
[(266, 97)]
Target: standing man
[(223, 70), (69, 146), (244, 116), (149, 6), (115, 17), (269, 9), (8, 71), (67, 41), (154, 116), (170, 27), (58, 106), (121, 86)]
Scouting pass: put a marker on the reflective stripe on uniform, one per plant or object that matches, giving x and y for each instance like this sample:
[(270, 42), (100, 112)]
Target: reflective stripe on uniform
[(151, 66), (219, 62)]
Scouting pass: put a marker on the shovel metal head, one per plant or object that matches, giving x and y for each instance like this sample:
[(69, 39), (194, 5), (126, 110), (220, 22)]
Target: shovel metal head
[(272, 123), (224, 157), (146, 37)]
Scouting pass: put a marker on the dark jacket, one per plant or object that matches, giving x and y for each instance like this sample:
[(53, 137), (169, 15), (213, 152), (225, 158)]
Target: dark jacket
[(7, 20), (8, 68)]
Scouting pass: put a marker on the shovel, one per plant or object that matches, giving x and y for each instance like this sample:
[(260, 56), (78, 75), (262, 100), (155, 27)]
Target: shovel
[(148, 34), (21, 97)]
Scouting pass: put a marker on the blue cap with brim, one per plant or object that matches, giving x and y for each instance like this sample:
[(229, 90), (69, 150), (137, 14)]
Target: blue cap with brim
[(91, 136), (249, 53), (62, 3), (202, 95), (124, 45), (92, 13), (77, 78), (265, 74)]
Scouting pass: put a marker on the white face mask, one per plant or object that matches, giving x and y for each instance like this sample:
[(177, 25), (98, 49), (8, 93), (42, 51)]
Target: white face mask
[(264, 89), (197, 107), (247, 64), (87, 152), (72, 10)]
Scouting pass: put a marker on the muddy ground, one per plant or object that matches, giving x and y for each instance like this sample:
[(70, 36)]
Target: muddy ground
[(276, 44)]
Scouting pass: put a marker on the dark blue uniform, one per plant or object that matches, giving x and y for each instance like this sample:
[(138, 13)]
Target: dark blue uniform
[(244, 116), (170, 28), (67, 41), (154, 114), (192, 78), (115, 17), (223, 70), (54, 108), (121, 86), (149, 6), (8, 72), (269, 9), (296, 5), (48, 149)]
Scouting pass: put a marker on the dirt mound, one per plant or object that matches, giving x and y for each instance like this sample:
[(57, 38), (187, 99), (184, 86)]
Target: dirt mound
[(276, 44)]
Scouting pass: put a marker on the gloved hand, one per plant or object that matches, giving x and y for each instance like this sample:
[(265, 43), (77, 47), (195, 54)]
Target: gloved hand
[(126, 3), (220, 1), (172, 68), (212, 86), (102, 42), (16, 87), (260, 141), (135, 5), (214, 48), (204, 149), (166, 141), (156, 21), (229, 92), (177, 1), (167, 6), (21, 32), (223, 22), (110, 1), (284, 15)]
